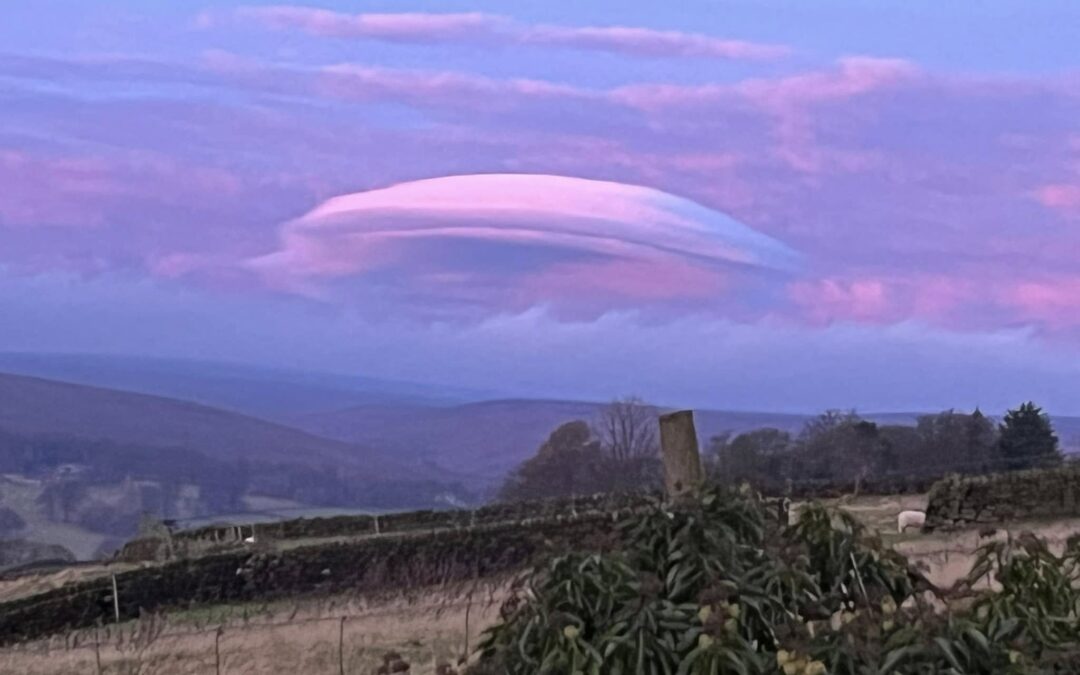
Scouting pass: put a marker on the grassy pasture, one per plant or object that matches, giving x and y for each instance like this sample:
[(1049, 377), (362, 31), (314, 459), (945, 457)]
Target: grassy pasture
[(424, 632), (277, 639)]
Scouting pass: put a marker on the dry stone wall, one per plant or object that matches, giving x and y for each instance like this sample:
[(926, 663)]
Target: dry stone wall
[(198, 542), (366, 566), (995, 498), (220, 539), (521, 535)]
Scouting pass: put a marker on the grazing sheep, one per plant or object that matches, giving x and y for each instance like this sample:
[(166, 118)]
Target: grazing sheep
[(250, 540), (908, 519)]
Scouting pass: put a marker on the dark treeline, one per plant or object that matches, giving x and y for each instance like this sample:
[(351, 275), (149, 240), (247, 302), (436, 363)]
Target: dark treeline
[(841, 449), (836, 451)]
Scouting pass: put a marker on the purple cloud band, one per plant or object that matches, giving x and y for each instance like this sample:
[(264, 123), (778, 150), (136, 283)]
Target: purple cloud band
[(911, 195), (480, 28)]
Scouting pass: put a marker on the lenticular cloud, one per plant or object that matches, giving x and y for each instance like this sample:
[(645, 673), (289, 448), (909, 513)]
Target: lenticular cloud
[(516, 240)]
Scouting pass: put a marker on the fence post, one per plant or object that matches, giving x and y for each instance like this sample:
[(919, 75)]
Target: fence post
[(341, 646), (217, 650), (468, 609), (115, 600), (679, 444), (858, 576), (97, 651)]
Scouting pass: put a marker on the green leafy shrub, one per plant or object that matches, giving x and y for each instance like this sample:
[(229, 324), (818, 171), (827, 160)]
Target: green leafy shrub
[(717, 586)]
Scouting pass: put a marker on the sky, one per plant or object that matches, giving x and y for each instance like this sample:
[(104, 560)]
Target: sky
[(740, 204)]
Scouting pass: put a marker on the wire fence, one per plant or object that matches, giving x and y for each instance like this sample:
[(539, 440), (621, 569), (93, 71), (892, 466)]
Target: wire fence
[(425, 636)]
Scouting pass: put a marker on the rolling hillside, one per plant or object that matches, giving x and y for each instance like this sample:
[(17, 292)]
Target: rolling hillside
[(259, 391), (30, 405), (132, 454)]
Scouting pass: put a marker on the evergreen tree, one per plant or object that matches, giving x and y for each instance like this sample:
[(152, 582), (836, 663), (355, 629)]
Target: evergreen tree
[(982, 440), (1027, 439)]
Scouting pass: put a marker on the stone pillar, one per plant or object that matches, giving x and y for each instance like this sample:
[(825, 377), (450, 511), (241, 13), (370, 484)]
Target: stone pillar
[(679, 444)]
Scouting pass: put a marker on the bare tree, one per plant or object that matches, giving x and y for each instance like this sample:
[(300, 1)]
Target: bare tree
[(627, 429)]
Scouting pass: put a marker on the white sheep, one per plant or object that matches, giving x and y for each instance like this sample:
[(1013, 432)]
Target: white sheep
[(250, 540), (908, 519)]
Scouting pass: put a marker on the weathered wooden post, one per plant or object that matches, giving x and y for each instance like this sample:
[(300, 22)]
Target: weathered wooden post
[(97, 651), (217, 649), (468, 608), (682, 461), (115, 599), (341, 646)]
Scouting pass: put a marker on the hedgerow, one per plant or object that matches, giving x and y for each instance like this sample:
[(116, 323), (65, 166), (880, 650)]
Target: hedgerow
[(715, 585)]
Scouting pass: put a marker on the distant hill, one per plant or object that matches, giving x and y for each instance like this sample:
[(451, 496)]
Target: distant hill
[(30, 405), (80, 465), (264, 392), (487, 439), (490, 438)]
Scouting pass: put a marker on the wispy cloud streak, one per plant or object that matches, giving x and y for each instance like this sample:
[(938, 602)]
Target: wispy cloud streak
[(479, 29)]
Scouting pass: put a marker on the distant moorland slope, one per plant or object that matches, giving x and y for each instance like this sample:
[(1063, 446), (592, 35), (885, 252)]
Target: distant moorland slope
[(30, 405), (264, 392), (80, 465)]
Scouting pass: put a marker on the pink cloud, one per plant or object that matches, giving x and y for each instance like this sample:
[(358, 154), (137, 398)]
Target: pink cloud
[(178, 265), (544, 237), (432, 89), (474, 27), (582, 290), (940, 297), (914, 191), (658, 97), (360, 83), (54, 190), (851, 77), (117, 210), (832, 299), (958, 302), (1059, 196), (791, 100), (50, 189), (407, 27), (848, 78), (791, 103), (1055, 302), (654, 43)]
